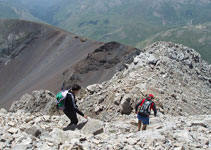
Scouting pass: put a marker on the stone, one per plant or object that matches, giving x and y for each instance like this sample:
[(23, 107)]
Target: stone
[(128, 147), (13, 130), (6, 137), (131, 141), (117, 100), (27, 141), (21, 147), (93, 127), (33, 131), (98, 109), (2, 110), (93, 88), (75, 141), (38, 119), (11, 123), (59, 135), (126, 104), (46, 117), (180, 148)]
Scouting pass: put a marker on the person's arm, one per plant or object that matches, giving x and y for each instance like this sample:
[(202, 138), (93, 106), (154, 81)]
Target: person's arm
[(154, 109), (75, 106), (136, 108), (79, 112)]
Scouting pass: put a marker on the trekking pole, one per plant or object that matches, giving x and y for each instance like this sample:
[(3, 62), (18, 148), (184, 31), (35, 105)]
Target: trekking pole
[(59, 112)]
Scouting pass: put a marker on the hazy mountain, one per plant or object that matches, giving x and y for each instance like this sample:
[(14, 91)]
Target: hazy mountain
[(129, 21), (126, 21), (11, 9), (195, 36)]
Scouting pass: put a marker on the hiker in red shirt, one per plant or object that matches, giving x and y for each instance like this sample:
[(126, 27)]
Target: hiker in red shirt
[(143, 109)]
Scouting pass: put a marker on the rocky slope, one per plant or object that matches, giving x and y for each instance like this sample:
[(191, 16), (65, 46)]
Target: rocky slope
[(22, 131), (38, 56), (175, 74)]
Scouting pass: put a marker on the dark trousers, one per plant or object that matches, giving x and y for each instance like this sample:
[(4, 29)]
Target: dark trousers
[(72, 116)]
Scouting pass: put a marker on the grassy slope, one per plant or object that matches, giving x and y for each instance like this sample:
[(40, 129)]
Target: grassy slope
[(129, 22), (7, 12), (12, 9), (197, 37), (106, 21)]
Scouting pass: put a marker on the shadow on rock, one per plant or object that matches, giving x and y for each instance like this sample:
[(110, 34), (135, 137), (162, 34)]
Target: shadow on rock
[(81, 125), (73, 127)]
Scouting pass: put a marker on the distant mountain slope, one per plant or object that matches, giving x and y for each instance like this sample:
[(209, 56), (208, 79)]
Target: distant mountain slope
[(129, 22), (10, 9), (38, 56), (197, 37), (124, 21)]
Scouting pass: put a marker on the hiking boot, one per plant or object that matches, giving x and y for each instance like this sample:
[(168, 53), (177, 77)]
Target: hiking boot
[(70, 127)]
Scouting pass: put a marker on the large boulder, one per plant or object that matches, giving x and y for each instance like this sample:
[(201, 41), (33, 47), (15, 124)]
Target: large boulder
[(93, 126), (126, 107), (40, 101)]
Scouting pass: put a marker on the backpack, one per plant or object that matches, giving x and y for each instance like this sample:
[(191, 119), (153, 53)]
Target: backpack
[(60, 99), (144, 109)]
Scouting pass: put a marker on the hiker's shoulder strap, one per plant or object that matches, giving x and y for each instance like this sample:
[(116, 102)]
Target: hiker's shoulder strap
[(73, 99), (64, 93), (142, 102)]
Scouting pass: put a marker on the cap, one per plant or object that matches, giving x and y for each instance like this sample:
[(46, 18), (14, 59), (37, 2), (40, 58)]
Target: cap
[(151, 96)]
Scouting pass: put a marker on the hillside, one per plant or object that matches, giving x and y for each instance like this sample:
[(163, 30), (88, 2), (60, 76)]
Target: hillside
[(175, 74), (127, 22), (38, 56), (10, 9), (197, 37)]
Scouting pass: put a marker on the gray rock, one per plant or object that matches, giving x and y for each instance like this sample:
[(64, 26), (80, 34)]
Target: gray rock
[(126, 104), (93, 88), (40, 101), (13, 130), (33, 131), (93, 127), (22, 147)]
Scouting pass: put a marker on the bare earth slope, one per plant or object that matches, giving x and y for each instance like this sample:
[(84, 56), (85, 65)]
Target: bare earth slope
[(38, 56)]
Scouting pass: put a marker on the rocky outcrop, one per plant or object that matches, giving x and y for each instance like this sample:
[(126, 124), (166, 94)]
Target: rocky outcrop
[(39, 101), (105, 61), (175, 74)]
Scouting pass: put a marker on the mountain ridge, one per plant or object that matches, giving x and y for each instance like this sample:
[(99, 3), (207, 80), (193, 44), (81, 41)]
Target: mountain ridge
[(45, 59)]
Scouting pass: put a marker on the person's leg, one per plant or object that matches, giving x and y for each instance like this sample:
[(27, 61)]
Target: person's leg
[(145, 122), (67, 114), (139, 122), (144, 127), (74, 119), (72, 116), (139, 125)]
